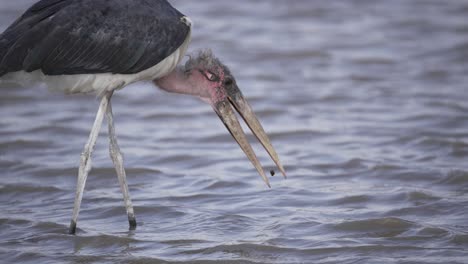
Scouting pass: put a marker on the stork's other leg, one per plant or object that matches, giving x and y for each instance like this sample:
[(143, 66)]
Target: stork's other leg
[(117, 159), (85, 162)]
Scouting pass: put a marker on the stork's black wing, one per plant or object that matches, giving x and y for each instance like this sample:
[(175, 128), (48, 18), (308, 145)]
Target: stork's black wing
[(92, 36)]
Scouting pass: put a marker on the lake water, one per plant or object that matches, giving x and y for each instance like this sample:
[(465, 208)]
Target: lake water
[(365, 101)]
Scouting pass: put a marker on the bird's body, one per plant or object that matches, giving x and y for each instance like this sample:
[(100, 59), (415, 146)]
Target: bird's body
[(98, 46), (90, 46)]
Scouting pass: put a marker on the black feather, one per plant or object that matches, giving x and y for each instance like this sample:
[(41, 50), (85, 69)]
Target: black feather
[(92, 36)]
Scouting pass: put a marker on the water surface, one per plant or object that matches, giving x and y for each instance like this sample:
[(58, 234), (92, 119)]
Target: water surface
[(365, 102)]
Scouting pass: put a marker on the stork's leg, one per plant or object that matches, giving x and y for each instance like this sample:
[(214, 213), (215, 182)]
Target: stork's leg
[(85, 162), (117, 159)]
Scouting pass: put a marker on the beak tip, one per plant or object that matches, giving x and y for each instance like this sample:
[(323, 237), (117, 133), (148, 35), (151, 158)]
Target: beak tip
[(283, 171), (265, 179)]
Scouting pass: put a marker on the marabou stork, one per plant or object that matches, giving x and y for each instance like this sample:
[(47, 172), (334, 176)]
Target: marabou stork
[(99, 46)]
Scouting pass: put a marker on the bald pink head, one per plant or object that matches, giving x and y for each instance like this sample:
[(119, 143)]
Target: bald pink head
[(202, 75)]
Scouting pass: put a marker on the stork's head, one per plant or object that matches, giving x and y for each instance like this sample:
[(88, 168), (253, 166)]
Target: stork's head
[(212, 81)]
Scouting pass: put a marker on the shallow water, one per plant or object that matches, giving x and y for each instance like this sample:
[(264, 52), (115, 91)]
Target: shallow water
[(365, 102)]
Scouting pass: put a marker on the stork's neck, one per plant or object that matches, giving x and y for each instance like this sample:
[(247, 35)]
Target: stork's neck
[(177, 81)]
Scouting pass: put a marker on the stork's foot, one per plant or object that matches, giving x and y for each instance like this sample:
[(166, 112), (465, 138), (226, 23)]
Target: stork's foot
[(132, 222), (72, 229)]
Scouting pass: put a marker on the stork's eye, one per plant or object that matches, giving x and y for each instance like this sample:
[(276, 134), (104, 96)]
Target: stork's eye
[(210, 76)]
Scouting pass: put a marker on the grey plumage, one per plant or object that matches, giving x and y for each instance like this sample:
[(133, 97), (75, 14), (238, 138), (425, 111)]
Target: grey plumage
[(205, 59), (92, 36)]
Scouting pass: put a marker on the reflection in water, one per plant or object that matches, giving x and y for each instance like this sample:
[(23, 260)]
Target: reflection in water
[(365, 102)]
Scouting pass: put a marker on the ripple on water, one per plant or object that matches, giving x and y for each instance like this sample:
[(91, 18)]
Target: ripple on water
[(460, 239), (455, 178), (421, 197), (352, 200), (379, 227)]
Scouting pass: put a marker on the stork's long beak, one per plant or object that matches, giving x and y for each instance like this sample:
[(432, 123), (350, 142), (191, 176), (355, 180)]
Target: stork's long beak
[(226, 114)]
